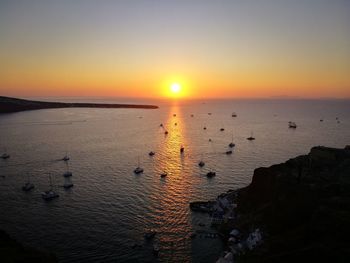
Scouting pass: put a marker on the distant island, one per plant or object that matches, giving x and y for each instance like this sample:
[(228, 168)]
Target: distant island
[(8, 105)]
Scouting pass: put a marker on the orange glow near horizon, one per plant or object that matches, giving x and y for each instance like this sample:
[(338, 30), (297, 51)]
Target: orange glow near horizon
[(243, 52)]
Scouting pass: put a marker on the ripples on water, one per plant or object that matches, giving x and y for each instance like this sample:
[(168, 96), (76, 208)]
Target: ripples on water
[(109, 208)]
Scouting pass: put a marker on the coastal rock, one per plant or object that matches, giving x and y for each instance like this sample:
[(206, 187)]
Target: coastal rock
[(302, 207)]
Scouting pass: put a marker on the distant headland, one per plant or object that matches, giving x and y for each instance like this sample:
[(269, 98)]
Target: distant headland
[(8, 105)]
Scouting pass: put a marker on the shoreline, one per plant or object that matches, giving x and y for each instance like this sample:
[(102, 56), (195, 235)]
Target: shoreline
[(11, 105)]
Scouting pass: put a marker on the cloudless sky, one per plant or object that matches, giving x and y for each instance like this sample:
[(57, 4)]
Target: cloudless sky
[(231, 48)]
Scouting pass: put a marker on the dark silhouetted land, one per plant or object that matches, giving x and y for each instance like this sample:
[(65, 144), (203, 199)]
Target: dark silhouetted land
[(8, 105)]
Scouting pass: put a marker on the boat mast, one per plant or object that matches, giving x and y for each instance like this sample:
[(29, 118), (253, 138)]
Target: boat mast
[(50, 182)]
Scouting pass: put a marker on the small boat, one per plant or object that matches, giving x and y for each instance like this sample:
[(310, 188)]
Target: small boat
[(166, 132), (292, 125), (5, 155), (138, 169), (209, 113), (149, 235), (234, 114), (222, 129), (231, 145), (151, 153), (321, 120), (192, 115), (161, 125), (163, 174), (209, 139), (201, 163), (251, 138), (204, 128), (175, 123), (67, 173), (182, 149), (50, 194), (68, 185), (228, 152), (155, 249), (211, 174), (174, 115), (28, 185), (66, 158)]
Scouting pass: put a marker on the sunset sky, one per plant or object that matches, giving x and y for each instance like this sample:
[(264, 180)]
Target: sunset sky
[(138, 48)]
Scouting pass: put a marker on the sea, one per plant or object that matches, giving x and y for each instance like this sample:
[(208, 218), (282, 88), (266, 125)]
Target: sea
[(104, 217)]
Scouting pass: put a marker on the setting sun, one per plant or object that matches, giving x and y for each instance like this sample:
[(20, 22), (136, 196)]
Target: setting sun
[(175, 88)]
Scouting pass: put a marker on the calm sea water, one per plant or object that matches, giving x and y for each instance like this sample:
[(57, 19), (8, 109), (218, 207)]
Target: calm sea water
[(109, 208)]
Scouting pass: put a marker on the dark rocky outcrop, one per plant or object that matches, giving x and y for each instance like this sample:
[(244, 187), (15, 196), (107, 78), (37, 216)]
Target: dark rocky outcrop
[(303, 208), (13, 252), (8, 105)]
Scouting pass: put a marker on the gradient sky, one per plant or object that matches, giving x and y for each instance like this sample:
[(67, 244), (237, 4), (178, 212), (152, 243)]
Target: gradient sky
[(233, 48)]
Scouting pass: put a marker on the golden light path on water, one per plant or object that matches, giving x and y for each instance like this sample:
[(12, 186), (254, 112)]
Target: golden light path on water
[(173, 196)]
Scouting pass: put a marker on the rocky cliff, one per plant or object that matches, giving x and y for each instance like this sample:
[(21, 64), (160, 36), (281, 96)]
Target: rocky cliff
[(302, 207)]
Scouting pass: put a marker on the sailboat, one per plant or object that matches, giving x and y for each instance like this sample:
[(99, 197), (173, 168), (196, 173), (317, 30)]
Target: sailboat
[(182, 149), (50, 194), (211, 174), (292, 125), (138, 169), (66, 158), (5, 155), (231, 145), (67, 173), (251, 138), (165, 130), (201, 163), (67, 183), (28, 185)]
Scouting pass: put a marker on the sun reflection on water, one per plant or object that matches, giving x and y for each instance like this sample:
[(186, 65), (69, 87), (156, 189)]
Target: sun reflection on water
[(172, 219)]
